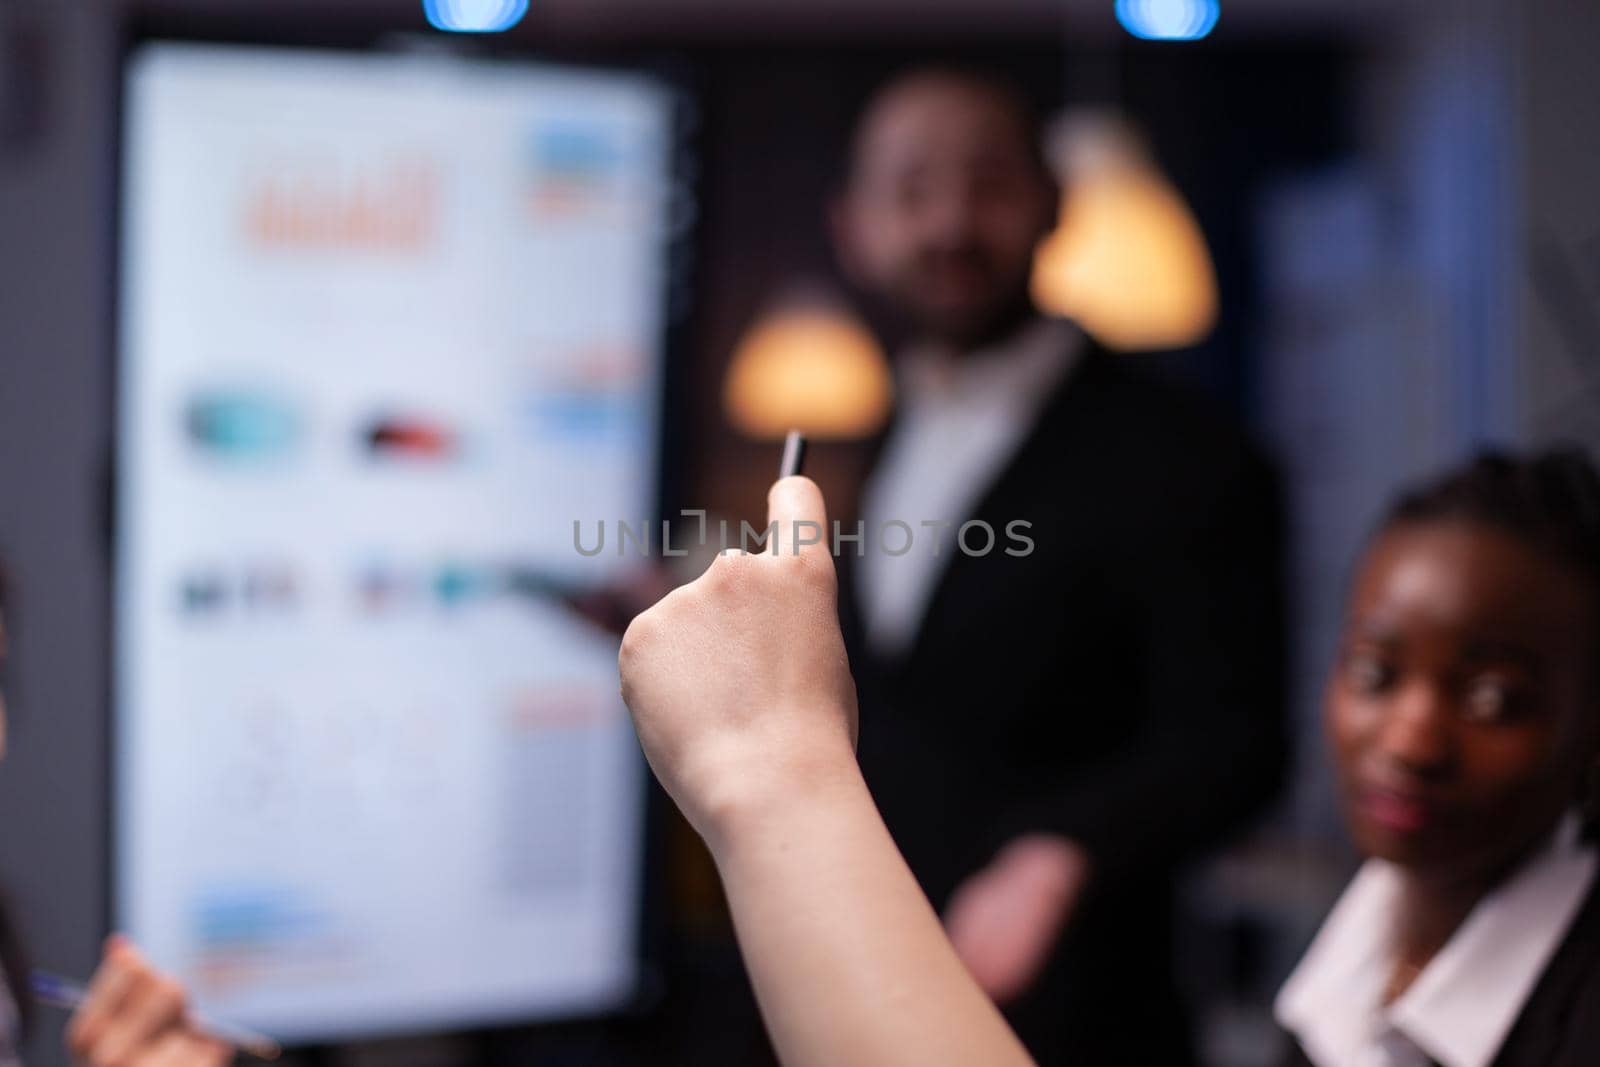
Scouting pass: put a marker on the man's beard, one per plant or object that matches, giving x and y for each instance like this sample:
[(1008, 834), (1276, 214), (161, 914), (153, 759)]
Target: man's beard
[(899, 324)]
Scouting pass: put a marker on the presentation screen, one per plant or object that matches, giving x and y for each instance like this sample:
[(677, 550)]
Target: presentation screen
[(390, 326)]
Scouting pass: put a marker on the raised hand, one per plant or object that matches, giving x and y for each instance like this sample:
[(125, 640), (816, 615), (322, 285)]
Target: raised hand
[(738, 682)]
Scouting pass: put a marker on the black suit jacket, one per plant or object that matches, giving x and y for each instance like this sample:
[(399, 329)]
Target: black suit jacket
[(1120, 685), (1559, 1025)]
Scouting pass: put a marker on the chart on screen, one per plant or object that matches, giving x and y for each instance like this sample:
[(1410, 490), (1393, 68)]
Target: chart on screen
[(389, 326)]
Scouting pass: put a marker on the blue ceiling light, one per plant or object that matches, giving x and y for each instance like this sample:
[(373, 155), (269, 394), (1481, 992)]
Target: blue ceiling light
[(474, 16), (1168, 20)]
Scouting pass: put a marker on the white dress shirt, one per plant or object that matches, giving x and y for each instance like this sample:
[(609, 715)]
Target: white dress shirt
[(1458, 1011), (960, 420)]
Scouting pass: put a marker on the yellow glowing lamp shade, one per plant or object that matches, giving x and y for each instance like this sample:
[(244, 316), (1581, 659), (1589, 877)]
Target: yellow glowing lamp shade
[(1127, 260), (812, 369)]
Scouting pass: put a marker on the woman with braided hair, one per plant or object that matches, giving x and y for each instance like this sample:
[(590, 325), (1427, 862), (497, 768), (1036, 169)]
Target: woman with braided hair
[(1463, 713)]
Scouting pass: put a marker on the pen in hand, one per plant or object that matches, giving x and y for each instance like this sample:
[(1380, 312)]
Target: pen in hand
[(794, 455), (65, 993)]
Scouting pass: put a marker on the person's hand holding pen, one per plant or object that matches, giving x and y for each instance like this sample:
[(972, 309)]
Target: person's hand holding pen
[(740, 690), (777, 712), (134, 1016)]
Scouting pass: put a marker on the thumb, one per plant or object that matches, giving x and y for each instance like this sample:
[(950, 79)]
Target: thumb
[(798, 517)]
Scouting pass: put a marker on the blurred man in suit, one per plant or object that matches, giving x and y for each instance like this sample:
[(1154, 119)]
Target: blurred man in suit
[(1120, 647)]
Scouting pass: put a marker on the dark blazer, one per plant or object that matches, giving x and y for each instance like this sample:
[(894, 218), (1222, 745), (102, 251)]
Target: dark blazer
[(1120, 685), (1559, 1026)]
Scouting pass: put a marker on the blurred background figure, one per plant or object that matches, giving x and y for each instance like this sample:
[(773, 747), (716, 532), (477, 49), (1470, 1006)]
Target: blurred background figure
[(323, 321), (1051, 729)]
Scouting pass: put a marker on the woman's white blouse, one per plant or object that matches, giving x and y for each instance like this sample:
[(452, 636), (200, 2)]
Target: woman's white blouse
[(1459, 1010)]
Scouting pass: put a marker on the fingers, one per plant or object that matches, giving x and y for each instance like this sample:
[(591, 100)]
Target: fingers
[(115, 979), (154, 1005), (182, 1048), (796, 507), (137, 1017), (1005, 919), (990, 941)]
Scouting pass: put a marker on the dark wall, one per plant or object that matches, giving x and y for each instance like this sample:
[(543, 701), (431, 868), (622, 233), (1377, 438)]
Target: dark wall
[(55, 440)]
